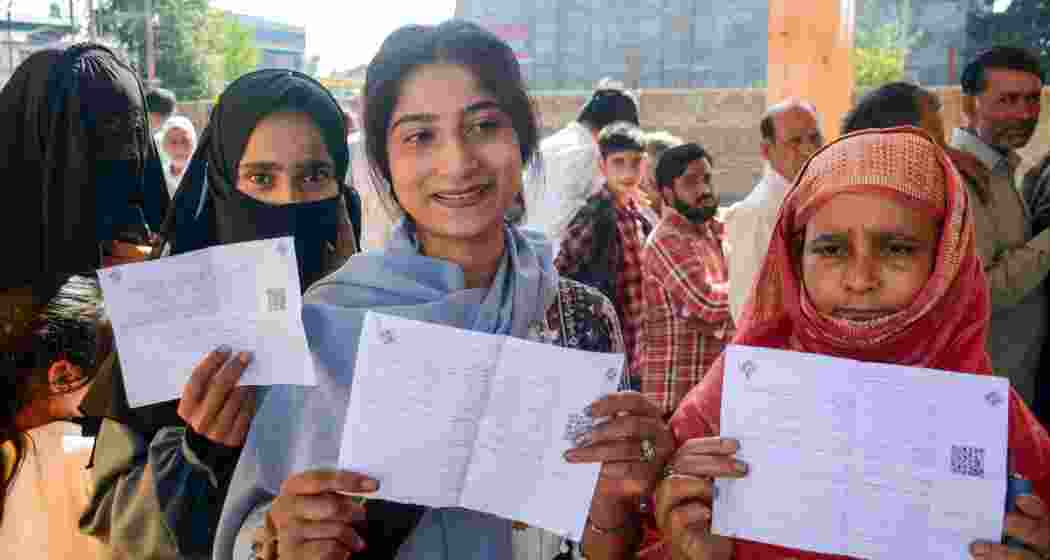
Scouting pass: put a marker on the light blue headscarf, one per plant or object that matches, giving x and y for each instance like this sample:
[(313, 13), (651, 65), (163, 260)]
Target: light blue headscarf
[(300, 428)]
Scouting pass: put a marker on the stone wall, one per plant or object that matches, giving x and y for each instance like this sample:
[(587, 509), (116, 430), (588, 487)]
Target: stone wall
[(725, 121)]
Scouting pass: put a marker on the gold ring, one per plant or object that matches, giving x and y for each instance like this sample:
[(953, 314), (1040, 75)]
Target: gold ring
[(648, 451)]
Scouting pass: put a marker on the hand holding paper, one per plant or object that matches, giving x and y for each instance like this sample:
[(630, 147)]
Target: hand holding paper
[(169, 313), (444, 417), (684, 498), (212, 404), (861, 459), (313, 515)]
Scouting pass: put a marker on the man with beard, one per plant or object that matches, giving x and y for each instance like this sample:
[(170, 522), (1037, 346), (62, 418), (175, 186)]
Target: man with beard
[(685, 281), (1001, 100)]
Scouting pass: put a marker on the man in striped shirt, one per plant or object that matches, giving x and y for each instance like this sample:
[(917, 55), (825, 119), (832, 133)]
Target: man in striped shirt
[(684, 280)]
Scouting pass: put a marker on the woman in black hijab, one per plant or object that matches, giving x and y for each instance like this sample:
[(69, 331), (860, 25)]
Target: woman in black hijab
[(271, 163), (74, 147), (75, 138)]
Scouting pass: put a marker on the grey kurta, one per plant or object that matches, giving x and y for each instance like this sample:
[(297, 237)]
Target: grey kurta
[(1016, 265)]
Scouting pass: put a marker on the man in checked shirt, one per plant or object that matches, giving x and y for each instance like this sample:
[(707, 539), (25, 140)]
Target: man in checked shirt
[(685, 281)]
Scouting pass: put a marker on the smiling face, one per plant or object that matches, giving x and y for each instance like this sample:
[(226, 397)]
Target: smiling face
[(286, 161), (867, 256), (455, 161)]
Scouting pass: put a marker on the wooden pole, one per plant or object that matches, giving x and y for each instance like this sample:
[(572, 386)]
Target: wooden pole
[(809, 57), (151, 67)]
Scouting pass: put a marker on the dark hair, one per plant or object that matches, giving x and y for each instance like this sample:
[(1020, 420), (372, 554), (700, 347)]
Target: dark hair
[(620, 137), (1009, 58), (658, 142), (894, 104), (69, 327), (676, 160), (607, 106), (490, 60), (160, 100)]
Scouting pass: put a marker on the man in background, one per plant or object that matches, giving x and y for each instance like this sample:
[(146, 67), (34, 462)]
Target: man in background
[(790, 134)]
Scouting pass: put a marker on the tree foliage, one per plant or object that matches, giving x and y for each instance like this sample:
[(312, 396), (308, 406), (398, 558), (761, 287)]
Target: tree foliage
[(880, 49), (1025, 23), (180, 63), (229, 48), (198, 51)]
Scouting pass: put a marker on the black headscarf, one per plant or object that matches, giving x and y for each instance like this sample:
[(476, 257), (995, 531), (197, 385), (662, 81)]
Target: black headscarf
[(209, 210), (76, 147)]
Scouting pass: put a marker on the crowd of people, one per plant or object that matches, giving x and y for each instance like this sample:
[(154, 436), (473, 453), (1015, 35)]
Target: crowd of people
[(437, 200)]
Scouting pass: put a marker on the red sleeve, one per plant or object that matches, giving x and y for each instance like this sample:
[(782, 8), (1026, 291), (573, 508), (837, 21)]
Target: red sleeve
[(1029, 447), (700, 412)]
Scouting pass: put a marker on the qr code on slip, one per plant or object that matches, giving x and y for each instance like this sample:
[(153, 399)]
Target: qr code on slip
[(276, 299), (968, 461), (577, 425)]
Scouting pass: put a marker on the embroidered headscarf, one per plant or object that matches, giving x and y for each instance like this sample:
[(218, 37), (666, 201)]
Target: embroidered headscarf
[(945, 327)]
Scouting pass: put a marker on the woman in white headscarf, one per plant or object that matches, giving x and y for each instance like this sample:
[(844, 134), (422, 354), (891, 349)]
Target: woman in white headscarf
[(176, 139)]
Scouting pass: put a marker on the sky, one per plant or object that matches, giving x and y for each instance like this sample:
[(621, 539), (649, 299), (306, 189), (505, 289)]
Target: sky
[(344, 33)]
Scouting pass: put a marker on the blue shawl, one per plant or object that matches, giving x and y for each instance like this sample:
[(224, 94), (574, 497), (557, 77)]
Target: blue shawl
[(300, 428)]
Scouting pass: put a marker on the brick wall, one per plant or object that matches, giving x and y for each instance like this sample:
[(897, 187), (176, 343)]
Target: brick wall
[(725, 121)]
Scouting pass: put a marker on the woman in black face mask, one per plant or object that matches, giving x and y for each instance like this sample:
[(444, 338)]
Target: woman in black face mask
[(75, 150), (75, 138), (270, 163)]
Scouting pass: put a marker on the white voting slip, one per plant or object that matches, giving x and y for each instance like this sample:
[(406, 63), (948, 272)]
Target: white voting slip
[(167, 314), (862, 459), (444, 417)]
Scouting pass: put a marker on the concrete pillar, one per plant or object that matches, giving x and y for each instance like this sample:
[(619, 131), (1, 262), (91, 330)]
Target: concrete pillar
[(809, 56)]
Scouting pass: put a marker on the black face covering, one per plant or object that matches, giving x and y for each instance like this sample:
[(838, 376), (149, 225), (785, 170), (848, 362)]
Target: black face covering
[(119, 189), (313, 224), (76, 138), (208, 208)]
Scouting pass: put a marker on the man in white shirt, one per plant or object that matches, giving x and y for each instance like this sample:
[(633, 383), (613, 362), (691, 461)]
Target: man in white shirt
[(790, 134), (567, 172)]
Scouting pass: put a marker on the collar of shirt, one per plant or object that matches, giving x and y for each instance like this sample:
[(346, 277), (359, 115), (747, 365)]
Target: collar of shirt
[(994, 159), (582, 133), (776, 185)]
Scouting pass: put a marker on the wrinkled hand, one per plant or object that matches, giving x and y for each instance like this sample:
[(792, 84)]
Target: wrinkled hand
[(683, 499), (213, 405), (313, 519), (1029, 523), (617, 445)]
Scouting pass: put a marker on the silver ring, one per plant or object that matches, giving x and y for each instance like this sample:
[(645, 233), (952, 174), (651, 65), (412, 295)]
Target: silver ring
[(648, 451)]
